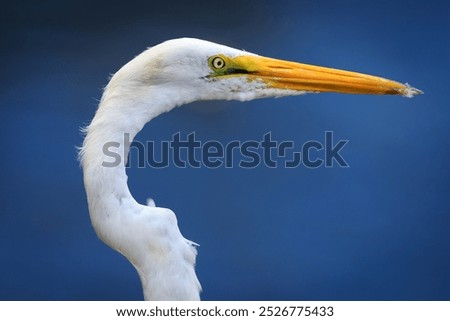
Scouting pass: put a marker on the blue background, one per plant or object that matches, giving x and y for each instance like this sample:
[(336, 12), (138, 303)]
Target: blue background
[(378, 230)]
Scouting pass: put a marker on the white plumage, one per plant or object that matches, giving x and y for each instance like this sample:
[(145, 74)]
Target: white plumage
[(168, 75)]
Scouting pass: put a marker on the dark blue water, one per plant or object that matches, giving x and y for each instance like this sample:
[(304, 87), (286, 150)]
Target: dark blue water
[(377, 230)]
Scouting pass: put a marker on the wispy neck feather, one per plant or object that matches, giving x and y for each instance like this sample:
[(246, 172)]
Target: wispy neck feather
[(148, 236), (126, 106)]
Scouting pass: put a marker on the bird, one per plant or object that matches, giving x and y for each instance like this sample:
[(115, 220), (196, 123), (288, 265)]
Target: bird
[(161, 78)]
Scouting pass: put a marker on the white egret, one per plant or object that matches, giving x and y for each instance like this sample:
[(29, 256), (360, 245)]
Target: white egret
[(161, 78)]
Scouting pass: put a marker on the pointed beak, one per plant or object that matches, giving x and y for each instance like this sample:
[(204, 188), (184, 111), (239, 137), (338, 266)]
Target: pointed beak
[(289, 75)]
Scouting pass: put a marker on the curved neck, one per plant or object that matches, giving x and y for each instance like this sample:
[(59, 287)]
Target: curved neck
[(134, 230), (120, 116)]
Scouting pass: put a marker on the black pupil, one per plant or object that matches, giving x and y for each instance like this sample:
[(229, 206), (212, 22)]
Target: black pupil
[(218, 63)]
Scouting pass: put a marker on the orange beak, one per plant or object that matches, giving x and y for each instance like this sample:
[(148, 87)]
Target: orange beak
[(289, 75)]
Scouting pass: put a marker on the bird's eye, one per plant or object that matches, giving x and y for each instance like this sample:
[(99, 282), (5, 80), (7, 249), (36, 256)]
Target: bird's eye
[(217, 62)]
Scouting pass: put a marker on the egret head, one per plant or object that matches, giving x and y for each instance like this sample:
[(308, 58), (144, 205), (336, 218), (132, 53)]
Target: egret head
[(165, 76), (200, 70)]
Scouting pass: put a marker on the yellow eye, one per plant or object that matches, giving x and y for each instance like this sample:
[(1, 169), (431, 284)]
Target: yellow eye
[(217, 62)]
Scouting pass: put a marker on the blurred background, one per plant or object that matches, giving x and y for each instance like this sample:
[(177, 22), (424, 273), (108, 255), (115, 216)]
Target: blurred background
[(378, 230)]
